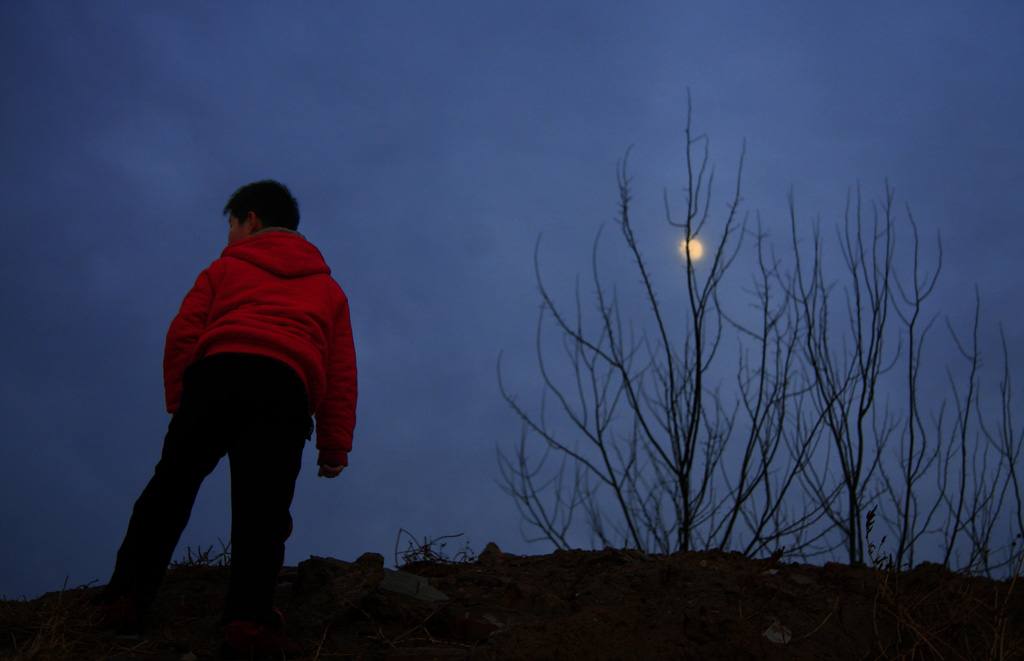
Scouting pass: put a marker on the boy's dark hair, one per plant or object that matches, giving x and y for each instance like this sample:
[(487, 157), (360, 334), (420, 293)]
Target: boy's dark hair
[(271, 201)]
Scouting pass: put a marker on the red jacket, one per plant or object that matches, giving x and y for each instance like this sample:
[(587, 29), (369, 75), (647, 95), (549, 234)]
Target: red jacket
[(272, 294)]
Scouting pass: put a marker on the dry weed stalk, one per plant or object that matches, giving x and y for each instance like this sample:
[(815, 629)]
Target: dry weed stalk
[(816, 629), (201, 559), (431, 550)]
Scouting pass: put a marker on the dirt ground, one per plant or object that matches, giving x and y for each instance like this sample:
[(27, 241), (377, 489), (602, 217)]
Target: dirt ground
[(610, 604)]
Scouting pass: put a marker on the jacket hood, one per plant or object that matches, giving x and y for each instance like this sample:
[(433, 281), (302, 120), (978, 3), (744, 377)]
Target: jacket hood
[(279, 251)]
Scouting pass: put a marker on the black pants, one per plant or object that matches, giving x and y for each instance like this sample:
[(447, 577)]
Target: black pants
[(253, 409)]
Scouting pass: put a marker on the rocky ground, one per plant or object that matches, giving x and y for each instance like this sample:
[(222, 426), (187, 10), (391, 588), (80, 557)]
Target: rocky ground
[(611, 604)]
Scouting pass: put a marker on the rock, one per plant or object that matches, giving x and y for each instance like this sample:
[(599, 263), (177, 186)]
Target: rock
[(490, 556), (476, 624), (326, 588), (425, 653), (802, 579), (313, 574), (411, 585), (777, 633)]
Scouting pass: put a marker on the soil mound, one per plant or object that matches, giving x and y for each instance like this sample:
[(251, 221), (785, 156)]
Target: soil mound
[(610, 604)]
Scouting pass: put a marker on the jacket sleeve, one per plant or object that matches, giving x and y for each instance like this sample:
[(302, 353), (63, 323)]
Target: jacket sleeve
[(336, 417), (183, 335)]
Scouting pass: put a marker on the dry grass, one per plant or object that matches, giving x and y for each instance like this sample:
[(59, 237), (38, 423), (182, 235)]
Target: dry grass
[(932, 613), (53, 627), (65, 624), (948, 620)]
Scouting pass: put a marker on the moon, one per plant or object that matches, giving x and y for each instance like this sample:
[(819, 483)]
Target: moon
[(695, 246)]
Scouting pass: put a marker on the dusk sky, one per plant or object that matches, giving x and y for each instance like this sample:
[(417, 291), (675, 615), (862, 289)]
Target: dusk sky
[(429, 144)]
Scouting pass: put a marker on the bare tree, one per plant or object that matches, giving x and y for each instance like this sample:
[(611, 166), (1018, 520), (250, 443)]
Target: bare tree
[(645, 442), (918, 448), (996, 527), (648, 429)]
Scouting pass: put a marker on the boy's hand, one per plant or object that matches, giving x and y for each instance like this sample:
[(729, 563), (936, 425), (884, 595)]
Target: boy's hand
[(330, 471)]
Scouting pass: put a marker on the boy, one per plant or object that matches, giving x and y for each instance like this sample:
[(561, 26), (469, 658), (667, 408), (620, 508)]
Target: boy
[(261, 343)]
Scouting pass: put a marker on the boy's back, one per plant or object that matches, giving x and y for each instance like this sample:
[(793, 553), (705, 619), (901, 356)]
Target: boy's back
[(272, 294)]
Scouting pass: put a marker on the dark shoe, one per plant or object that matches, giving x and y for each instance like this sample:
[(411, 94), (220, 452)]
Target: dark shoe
[(120, 614), (249, 640)]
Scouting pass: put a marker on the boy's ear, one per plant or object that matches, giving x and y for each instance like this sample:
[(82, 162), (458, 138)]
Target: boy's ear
[(254, 222)]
